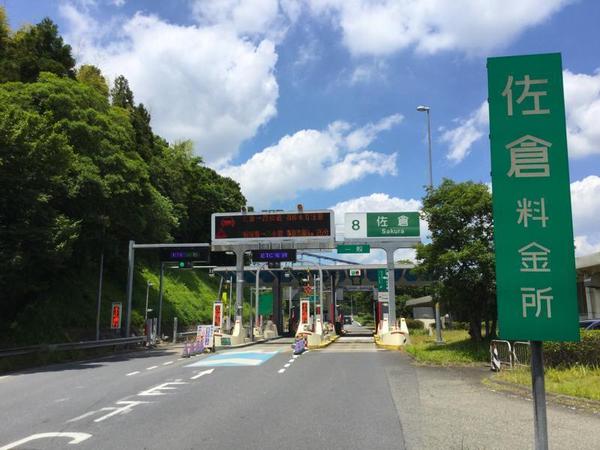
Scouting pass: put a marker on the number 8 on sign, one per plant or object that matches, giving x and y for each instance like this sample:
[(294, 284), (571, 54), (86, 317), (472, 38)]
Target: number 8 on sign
[(355, 226)]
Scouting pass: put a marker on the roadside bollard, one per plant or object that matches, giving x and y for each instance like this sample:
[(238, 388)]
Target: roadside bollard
[(186, 351), (496, 364)]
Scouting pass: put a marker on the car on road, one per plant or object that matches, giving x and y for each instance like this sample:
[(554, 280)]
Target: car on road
[(589, 324)]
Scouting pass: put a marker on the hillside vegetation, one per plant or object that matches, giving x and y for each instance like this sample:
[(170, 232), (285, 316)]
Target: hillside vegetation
[(82, 173)]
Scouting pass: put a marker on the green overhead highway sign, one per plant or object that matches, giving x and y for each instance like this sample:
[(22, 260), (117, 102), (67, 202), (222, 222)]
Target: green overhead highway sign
[(354, 248), (533, 227), (381, 225)]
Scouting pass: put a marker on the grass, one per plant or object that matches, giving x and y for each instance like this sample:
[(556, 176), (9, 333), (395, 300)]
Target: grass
[(576, 381), (458, 348)]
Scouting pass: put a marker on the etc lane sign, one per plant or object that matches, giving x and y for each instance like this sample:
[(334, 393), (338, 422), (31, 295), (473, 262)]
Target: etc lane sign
[(535, 266), (381, 225)]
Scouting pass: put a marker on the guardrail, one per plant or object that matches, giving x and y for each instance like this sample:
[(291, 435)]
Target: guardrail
[(521, 353), (504, 349), (517, 353), (71, 346)]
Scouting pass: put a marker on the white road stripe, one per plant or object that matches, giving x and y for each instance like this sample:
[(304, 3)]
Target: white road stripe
[(281, 371), (287, 365), (291, 360), (151, 367), (133, 373), (168, 362), (201, 374), (296, 356)]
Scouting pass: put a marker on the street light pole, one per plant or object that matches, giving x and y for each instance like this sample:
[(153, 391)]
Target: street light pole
[(148, 284), (438, 325)]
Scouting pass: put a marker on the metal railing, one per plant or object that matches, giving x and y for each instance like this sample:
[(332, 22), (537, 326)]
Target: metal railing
[(505, 354), (511, 355), (71, 346), (521, 353)]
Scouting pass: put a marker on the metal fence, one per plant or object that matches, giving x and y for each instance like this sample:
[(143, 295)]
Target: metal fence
[(513, 354), (521, 353), (71, 346), (504, 349)]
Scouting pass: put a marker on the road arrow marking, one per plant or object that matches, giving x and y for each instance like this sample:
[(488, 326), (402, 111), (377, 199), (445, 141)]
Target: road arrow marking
[(201, 374), (76, 438)]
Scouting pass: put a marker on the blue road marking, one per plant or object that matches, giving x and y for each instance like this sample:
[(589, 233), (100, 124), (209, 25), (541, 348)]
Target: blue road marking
[(235, 359)]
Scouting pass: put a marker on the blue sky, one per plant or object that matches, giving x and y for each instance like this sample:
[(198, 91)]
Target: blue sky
[(314, 101)]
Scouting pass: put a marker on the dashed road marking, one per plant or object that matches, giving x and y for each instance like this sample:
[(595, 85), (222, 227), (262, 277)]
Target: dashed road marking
[(287, 365), (158, 390), (151, 367), (281, 371), (291, 360), (133, 373), (168, 362), (201, 374)]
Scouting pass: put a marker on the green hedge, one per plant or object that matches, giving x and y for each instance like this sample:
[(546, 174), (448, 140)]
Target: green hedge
[(567, 354), (413, 324)]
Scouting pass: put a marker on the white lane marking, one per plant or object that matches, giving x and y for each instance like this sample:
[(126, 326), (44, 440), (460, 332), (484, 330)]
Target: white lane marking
[(114, 411), (168, 362), (201, 374), (157, 390), (281, 371), (151, 367), (83, 416), (291, 360), (60, 400), (296, 356), (287, 365), (132, 373), (76, 438)]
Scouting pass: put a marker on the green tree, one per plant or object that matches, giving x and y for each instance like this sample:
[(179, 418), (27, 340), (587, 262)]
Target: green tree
[(460, 256), (35, 49), (121, 93), (70, 176), (92, 76)]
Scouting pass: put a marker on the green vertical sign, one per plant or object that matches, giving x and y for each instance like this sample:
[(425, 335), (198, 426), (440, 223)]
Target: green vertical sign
[(265, 304), (382, 280), (533, 232), (401, 224)]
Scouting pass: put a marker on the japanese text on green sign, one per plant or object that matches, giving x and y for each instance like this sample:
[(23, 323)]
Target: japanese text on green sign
[(535, 266)]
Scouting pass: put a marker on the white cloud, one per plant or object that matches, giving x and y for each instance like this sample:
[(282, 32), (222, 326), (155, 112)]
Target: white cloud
[(313, 160), (243, 16), (582, 103), (582, 108), (362, 137), (382, 27), (469, 130), (369, 72), (585, 203), (201, 83)]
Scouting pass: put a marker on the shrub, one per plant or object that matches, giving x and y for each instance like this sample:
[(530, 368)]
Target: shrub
[(414, 324), (568, 354)]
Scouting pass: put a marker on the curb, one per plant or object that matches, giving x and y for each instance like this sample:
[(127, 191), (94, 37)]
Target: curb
[(387, 346), (245, 344), (324, 344)]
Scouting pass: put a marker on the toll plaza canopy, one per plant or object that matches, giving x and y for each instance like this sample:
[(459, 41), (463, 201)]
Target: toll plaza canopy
[(368, 274)]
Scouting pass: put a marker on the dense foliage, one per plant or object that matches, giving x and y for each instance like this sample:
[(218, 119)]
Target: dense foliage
[(81, 172), (568, 354), (460, 256)]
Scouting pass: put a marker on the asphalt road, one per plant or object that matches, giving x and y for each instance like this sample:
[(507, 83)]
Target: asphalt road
[(347, 396)]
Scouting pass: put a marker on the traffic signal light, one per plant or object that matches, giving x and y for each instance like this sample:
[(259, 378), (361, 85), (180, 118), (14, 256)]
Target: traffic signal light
[(185, 264)]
